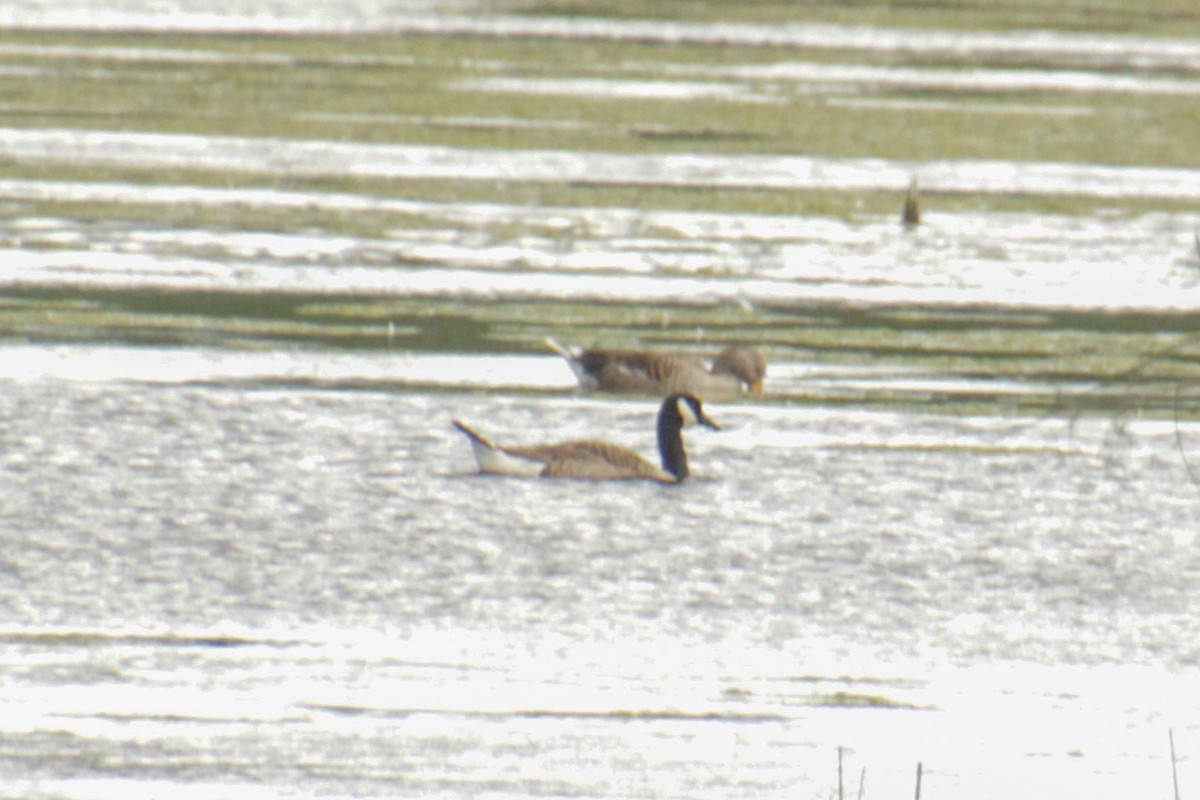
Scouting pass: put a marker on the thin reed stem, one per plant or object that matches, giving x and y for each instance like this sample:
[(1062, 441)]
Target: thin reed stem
[(841, 793), (1174, 771)]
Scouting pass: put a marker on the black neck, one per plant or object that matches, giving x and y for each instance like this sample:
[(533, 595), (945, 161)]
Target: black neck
[(670, 443)]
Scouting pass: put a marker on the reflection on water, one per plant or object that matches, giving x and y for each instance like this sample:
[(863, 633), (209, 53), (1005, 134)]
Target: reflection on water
[(249, 557), (312, 586), (1015, 261), (168, 365), (323, 158), (1099, 50)]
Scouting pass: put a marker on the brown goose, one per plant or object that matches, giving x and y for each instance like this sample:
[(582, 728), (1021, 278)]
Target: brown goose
[(597, 461), (734, 370)]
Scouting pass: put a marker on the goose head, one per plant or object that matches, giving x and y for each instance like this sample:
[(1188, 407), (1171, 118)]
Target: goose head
[(744, 363)]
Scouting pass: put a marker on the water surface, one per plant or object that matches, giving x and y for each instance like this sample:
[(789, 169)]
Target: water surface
[(244, 554), (241, 590)]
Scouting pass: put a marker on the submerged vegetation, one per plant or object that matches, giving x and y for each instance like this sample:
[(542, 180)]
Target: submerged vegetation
[(738, 91)]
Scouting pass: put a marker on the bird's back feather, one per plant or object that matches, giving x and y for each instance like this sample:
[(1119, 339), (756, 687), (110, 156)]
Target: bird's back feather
[(592, 460)]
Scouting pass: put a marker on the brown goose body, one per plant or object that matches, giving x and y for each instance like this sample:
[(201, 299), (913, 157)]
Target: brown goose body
[(735, 370), (597, 460), (591, 460)]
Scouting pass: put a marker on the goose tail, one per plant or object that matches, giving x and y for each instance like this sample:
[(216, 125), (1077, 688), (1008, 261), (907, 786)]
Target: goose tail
[(574, 356), (494, 459), (473, 435), (563, 350)]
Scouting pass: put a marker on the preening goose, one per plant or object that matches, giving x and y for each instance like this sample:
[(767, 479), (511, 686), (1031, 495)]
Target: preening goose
[(593, 460), (734, 370)]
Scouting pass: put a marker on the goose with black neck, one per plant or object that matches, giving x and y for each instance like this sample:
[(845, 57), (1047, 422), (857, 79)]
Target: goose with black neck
[(589, 459)]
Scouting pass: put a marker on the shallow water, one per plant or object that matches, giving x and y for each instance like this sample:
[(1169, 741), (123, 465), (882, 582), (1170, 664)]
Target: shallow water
[(474, 252), (238, 566), (323, 158), (236, 591)]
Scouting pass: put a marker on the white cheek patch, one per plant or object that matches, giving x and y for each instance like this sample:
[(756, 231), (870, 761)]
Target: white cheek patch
[(685, 412)]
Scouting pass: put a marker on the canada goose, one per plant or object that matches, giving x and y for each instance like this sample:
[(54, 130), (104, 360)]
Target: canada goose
[(597, 461), (644, 372)]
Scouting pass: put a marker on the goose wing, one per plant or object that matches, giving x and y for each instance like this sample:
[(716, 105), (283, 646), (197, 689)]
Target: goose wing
[(591, 460), (495, 459), (637, 371)]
